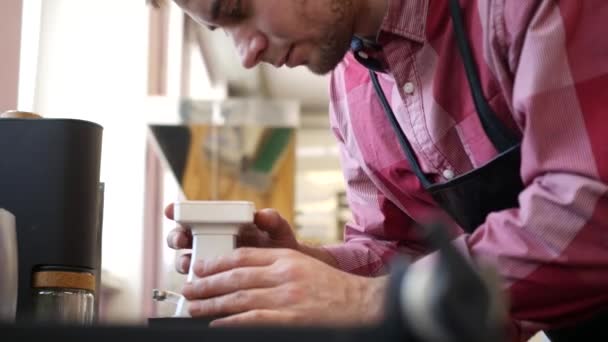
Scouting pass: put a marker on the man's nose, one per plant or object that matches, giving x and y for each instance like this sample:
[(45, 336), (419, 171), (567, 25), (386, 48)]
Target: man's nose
[(251, 47)]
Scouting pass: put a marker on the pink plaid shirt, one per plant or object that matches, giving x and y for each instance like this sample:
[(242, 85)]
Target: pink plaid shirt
[(544, 69)]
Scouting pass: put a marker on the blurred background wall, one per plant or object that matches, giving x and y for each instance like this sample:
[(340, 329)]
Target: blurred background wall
[(10, 34)]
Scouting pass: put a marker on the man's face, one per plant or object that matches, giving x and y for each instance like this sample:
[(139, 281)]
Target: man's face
[(315, 33)]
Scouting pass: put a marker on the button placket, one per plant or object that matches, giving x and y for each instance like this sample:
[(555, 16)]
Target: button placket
[(417, 117), (411, 94)]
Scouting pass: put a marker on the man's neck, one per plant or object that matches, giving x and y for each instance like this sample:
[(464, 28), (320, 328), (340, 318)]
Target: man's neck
[(369, 16)]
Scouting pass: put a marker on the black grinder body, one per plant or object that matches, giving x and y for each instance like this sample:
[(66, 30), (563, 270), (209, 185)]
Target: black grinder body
[(49, 179)]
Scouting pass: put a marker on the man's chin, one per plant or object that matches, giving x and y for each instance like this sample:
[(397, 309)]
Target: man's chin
[(328, 58), (320, 72), (322, 69)]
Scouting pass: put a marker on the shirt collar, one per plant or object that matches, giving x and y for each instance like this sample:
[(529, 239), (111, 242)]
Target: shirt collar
[(406, 18)]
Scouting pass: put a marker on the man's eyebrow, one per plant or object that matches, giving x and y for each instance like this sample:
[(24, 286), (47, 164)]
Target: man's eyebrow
[(216, 7)]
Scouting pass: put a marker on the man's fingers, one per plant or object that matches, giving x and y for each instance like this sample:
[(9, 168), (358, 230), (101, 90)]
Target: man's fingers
[(169, 211), (241, 257), (180, 238), (182, 263), (270, 221), (255, 317), (249, 235), (233, 303), (230, 281)]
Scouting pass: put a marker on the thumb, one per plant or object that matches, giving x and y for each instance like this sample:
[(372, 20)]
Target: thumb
[(169, 211), (270, 221)]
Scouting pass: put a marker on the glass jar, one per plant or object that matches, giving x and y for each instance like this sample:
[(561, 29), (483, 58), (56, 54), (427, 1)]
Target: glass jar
[(9, 281), (65, 297)]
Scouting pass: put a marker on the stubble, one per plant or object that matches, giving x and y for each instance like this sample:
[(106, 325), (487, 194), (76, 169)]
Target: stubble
[(336, 40)]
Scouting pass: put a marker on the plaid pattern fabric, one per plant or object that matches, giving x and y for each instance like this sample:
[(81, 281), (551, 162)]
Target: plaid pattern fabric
[(543, 66)]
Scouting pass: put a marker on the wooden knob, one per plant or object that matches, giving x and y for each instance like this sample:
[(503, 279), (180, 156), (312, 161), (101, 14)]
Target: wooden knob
[(15, 114), (59, 279)]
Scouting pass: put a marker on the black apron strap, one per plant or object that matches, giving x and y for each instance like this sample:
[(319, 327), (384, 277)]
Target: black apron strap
[(500, 135), (405, 144)]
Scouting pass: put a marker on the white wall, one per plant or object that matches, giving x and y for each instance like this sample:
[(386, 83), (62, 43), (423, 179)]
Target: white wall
[(92, 65), (10, 33)]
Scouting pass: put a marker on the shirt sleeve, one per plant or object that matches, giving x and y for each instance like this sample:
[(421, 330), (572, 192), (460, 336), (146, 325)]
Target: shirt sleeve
[(379, 229), (552, 251)]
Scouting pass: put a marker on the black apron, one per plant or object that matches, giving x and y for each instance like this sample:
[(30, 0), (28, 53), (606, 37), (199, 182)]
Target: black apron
[(495, 186)]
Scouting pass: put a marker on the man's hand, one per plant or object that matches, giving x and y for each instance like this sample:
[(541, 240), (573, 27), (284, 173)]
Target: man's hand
[(269, 230), (281, 287)]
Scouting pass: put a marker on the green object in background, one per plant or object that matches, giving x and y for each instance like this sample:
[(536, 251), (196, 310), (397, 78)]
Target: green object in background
[(270, 150)]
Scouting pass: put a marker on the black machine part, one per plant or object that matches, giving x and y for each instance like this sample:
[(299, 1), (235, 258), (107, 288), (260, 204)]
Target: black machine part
[(447, 298), (49, 179)]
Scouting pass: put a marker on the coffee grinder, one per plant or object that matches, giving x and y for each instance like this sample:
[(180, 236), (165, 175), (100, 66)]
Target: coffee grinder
[(49, 180)]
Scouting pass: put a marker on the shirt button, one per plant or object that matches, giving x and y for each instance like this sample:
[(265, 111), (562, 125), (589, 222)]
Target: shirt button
[(448, 174), (363, 55), (408, 88)]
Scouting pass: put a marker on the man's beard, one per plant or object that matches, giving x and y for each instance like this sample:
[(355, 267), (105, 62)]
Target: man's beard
[(336, 42), (331, 52)]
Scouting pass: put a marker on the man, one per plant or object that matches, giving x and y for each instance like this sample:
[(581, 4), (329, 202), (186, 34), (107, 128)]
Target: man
[(543, 70)]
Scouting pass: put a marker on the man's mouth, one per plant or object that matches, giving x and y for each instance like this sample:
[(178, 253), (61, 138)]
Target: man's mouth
[(286, 57)]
